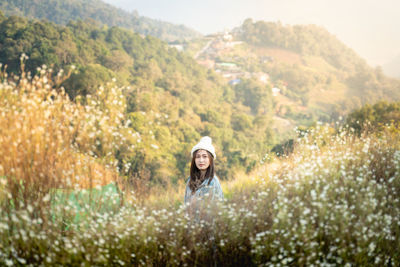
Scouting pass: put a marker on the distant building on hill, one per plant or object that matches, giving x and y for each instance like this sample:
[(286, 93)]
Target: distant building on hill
[(266, 59), (262, 77), (275, 91), (234, 81), (227, 37), (178, 47), (227, 65), (232, 44)]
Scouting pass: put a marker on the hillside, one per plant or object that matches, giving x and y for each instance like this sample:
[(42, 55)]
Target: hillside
[(257, 93), (62, 12), (314, 76), (171, 101)]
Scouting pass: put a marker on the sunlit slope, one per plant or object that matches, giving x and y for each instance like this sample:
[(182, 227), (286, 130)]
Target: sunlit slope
[(321, 88), (316, 64), (318, 77)]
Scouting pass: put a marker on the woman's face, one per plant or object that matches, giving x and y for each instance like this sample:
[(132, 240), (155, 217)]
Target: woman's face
[(202, 160)]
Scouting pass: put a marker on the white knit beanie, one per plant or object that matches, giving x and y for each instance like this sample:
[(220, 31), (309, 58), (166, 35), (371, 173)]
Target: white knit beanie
[(206, 144)]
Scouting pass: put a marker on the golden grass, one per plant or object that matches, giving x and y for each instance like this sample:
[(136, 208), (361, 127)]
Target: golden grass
[(279, 54), (323, 96), (46, 140)]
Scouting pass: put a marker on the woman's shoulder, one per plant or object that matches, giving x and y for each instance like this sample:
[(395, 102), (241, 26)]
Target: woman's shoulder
[(214, 180)]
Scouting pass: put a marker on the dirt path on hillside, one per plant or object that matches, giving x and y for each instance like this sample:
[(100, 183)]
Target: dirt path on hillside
[(203, 49)]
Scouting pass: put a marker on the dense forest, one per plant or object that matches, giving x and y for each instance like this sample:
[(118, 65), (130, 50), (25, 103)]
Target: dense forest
[(170, 100), (62, 12)]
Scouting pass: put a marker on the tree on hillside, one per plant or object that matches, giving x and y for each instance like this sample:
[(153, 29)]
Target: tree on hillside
[(374, 117), (87, 80), (254, 95)]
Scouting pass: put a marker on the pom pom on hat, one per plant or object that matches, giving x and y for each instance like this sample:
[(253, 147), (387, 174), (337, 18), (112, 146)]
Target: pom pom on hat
[(206, 144)]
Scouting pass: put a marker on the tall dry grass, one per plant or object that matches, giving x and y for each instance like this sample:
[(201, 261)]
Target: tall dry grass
[(49, 142)]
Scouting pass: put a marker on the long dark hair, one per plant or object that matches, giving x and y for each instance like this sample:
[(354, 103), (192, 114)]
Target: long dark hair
[(195, 173)]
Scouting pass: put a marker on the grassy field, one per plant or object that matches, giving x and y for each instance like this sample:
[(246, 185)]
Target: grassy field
[(333, 201)]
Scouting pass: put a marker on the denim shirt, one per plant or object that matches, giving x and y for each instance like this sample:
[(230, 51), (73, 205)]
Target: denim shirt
[(212, 191)]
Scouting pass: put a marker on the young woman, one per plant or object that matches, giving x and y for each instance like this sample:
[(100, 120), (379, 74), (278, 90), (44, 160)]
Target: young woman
[(202, 185)]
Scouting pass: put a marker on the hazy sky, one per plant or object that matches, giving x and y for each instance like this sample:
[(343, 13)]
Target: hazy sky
[(370, 27)]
